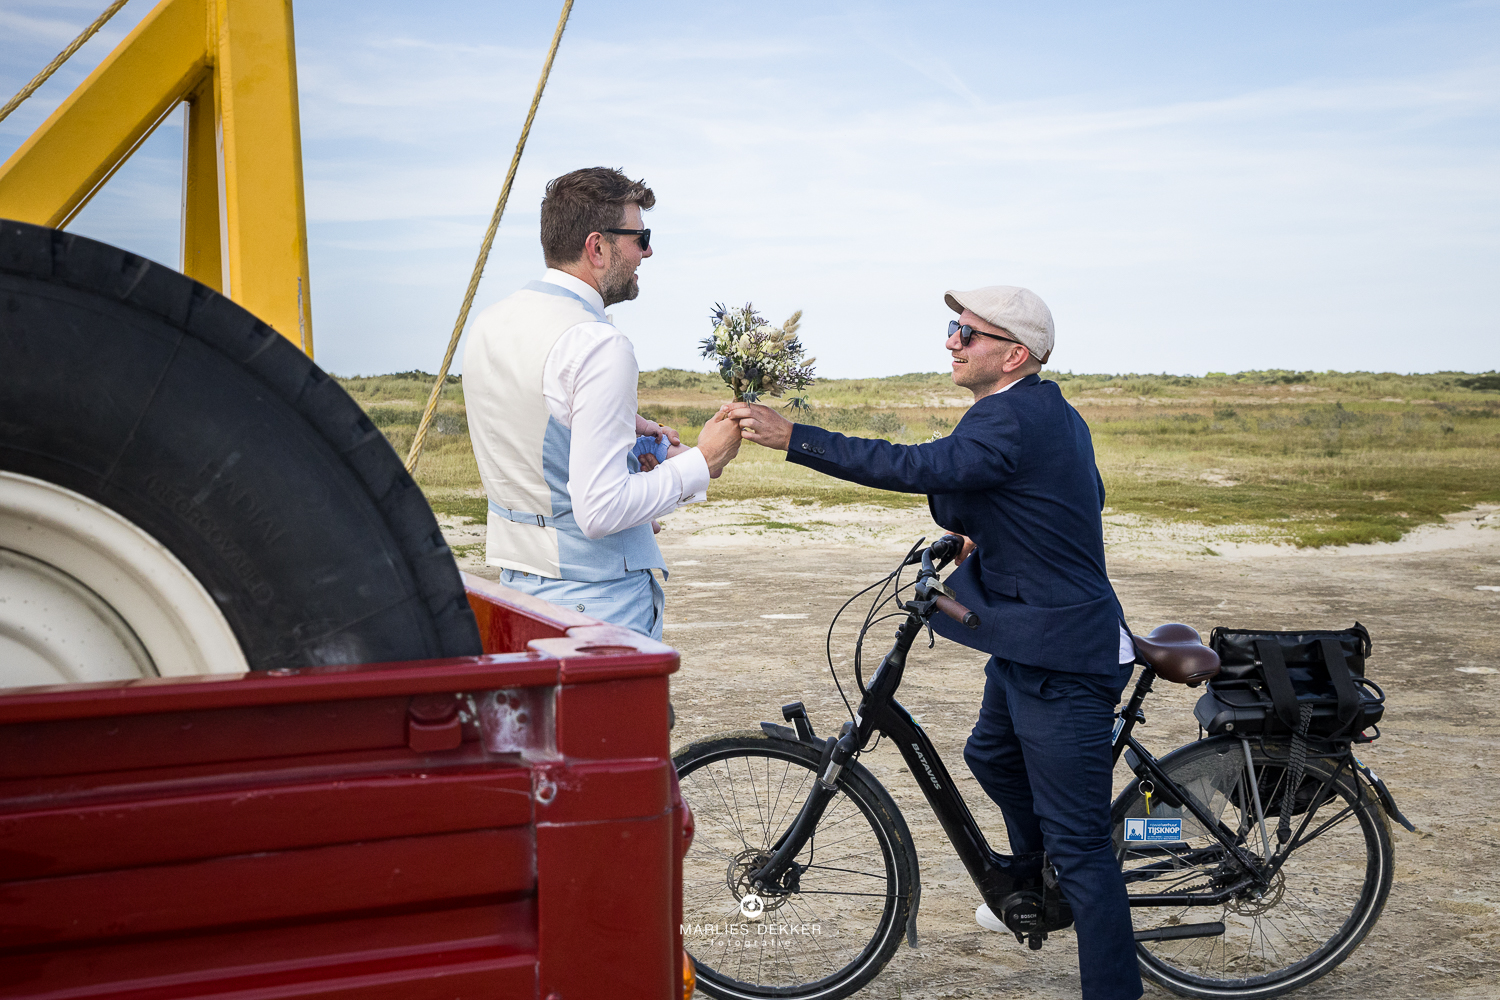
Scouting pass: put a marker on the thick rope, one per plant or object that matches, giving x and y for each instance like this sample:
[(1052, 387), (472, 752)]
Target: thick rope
[(484, 251), (62, 57)]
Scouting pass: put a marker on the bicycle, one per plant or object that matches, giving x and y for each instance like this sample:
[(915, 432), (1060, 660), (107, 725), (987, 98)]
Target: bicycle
[(802, 876)]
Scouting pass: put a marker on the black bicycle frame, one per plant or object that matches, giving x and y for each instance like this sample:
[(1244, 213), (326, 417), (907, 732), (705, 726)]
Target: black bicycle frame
[(996, 875)]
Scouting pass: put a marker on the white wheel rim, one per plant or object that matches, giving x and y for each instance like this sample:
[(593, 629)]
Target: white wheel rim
[(85, 595)]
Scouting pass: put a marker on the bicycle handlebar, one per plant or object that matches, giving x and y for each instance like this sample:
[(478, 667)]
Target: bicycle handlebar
[(940, 553), (957, 612), (946, 548)]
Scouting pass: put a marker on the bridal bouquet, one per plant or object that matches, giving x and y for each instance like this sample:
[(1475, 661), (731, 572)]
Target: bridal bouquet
[(757, 359)]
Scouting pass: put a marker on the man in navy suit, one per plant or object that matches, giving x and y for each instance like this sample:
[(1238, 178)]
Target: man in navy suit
[(1017, 479)]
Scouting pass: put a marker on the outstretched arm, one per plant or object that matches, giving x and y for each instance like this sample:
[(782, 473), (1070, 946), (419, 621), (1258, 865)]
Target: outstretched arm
[(978, 456)]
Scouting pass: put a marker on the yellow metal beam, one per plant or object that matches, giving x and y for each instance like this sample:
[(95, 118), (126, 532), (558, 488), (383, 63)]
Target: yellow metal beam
[(244, 228), (264, 216), (56, 171), (202, 257)]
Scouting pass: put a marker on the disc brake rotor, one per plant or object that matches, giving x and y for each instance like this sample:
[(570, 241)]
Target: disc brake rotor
[(1253, 905), (740, 884)]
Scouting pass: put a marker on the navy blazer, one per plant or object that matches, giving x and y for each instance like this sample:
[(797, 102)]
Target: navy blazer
[(1016, 475)]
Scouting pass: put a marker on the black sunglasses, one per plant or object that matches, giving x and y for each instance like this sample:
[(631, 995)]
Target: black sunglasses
[(967, 333), (644, 234)]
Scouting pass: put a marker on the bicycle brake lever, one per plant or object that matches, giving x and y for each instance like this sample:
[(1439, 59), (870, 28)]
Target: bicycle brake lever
[(932, 585)]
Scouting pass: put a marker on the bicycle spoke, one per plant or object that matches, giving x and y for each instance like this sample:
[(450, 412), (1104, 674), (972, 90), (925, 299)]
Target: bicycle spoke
[(755, 797), (849, 871), (846, 895), (1280, 930), (731, 810), (1297, 842)]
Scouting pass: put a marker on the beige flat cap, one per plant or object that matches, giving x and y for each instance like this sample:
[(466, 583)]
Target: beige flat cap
[(1020, 312)]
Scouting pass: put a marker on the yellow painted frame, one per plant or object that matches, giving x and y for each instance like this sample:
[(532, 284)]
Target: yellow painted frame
[(244, 220)]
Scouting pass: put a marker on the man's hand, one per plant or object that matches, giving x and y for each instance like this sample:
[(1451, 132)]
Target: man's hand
[(650, 428), (719, 441), (763, 425), (964, 552)]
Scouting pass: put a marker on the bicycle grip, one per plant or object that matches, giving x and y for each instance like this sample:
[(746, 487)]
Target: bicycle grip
[(957, 612), (947, 547)]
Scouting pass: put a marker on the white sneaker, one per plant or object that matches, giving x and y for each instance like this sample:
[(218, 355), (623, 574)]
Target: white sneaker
[(988, 920)]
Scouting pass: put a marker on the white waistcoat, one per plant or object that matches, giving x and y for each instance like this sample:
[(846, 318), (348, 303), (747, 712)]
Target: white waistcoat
[(523, 450)]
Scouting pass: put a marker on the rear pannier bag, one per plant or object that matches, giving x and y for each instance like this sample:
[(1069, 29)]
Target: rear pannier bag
[(1266, 678)]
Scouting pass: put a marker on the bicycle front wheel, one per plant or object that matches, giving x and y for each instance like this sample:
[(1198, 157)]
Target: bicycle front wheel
[(1318, 906), (845, 907)]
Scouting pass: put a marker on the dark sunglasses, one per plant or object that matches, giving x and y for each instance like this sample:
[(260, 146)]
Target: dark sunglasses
[(644, 234), (967, 333)]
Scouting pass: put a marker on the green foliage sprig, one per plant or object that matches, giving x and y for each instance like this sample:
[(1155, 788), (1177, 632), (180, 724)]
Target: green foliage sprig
[(757, 359)]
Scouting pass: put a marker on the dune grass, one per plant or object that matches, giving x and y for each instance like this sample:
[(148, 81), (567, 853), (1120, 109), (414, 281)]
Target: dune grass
[(1311, 458)]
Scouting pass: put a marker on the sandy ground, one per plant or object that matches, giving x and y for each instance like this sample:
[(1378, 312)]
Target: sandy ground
[(749, 606)]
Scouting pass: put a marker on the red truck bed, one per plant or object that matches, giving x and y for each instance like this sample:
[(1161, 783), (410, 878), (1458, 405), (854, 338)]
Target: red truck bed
[(504, 825)]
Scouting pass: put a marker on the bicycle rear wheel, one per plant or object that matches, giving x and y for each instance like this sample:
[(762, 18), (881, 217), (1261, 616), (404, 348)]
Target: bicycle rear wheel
[(1319, 906), (840, 925)]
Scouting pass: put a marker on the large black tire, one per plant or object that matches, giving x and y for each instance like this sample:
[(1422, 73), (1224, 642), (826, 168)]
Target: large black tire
[(162, 400), (856, 885), (1320, 905)]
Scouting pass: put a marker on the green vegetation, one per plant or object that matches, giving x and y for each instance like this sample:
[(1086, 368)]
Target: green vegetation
[(1314, 458), (394, 404)]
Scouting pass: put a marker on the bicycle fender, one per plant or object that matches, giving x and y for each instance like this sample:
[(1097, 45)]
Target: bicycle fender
[(787, 733), (1387, 800), (916, 901)]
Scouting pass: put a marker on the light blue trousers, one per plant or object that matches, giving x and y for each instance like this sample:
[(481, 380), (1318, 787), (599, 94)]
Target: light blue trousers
[(635, 601)]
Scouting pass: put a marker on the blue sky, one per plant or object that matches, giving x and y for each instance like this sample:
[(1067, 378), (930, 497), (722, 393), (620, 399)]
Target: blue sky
[(1191, 187)]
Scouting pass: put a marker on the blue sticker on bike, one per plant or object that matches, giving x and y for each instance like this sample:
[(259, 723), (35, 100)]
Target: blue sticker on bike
[(1146, 830)]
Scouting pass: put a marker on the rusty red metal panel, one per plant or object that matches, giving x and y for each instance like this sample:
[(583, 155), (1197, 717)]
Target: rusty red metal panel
[(605, 652), (682, 839), (123, 743), (509, 619), (270, 687), (302, 960), (255, 888), (595, 929), (233, 816), (604, 790), (460, 976), (614, 719), (360, 831), (189, 778)]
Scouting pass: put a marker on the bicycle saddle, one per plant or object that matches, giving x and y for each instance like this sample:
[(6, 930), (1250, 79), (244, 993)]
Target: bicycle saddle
[(1177, 654)]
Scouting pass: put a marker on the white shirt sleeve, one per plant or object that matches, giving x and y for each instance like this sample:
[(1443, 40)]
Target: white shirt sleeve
[(593, 369)]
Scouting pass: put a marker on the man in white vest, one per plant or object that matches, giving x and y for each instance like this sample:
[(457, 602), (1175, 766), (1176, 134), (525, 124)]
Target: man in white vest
[(550, 387)]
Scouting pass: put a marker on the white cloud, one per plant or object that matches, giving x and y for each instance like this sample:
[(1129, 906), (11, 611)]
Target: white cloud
[(856, 168), (49, 29)]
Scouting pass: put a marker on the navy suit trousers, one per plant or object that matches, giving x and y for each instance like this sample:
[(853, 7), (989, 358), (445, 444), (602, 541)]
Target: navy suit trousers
[(1041, 750)]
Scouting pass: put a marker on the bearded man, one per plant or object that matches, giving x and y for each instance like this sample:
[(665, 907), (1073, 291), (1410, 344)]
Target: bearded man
[(550, 387)]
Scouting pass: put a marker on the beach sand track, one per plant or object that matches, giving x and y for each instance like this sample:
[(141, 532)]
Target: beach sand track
[(1437, 650)]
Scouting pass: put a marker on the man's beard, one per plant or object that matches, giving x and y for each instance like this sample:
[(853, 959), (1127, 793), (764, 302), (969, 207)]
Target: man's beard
[(619, 283)]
